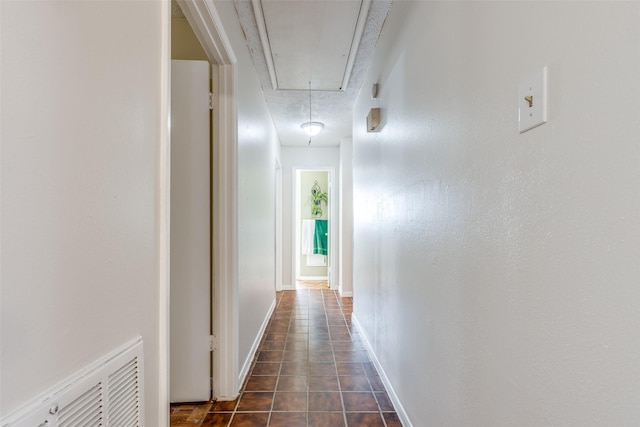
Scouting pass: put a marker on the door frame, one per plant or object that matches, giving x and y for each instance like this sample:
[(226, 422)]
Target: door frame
[(332, 262), (207, 26)]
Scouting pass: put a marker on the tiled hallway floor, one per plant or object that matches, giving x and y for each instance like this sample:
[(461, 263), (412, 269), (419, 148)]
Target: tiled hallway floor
[(311, 369)]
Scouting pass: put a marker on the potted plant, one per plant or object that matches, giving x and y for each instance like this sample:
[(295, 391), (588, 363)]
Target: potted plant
[(317, 197)]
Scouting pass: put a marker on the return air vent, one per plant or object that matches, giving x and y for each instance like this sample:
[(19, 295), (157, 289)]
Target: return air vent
[(86, 410), (123, 396), (107, 393)]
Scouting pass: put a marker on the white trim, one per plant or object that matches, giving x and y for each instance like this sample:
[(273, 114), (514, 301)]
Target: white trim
[(278, 225), (256, 343), (355, 43), (264, 40), (397, 405), (207, 26), (288, 287), (313, 278), (164, 216), (345, 294)]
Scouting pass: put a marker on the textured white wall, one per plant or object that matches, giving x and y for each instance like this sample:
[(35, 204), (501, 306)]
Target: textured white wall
[(497, 274), (258, 147), (81, 123), (346, 217), (305, 157)]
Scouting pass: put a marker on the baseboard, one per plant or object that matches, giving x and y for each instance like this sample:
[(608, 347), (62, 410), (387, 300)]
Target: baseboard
[(254, 348), (345, 294), (313, 278), (404, 419), (288, 287)]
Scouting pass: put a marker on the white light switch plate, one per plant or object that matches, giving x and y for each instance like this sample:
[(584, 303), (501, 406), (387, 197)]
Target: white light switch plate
[(536, 88)]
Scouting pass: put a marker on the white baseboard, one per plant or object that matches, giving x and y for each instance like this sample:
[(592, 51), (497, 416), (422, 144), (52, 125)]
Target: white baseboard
[(402, 414), (345, 294), (254, 348), (288, 287)]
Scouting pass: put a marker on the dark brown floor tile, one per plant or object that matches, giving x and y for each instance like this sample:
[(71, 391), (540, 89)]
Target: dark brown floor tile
[(324, 383), (364, 420), (358, 402), (292, 383), (340, 337), (343, 346), (354, 383), (320, 356), (320, 346), (270, 356), (338, 329), (296, 346), (255, 401), (290, 401), (384, 402), (295, 329), (288, 419), (266, 368), (217, 420), (319, 337), (295, 356), (250, 420), (224, 406), (294, 368), (272, 336), (350, 369), (261, 383), (298, 337), (376, 384), (392, 419), (326, 419), (370, 369), (272, 345), (325, 402), (321, 369)]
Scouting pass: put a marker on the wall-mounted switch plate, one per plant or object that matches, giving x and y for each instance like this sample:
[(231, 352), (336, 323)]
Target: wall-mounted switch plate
[(532, 101)]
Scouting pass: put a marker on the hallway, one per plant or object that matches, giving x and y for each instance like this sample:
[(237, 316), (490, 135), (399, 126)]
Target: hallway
[(311, 369)]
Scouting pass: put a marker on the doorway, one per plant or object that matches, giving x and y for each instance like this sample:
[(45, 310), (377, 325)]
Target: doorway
[(314, 216)]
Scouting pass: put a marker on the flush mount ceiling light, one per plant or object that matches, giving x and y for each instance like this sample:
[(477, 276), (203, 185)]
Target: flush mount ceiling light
[(312, 128)]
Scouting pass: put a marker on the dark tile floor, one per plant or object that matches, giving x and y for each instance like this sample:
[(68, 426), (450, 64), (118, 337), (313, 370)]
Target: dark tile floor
[(311, 369)]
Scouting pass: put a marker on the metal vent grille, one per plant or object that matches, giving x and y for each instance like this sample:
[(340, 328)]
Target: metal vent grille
[(85, 411), (108, 393), (123, 396)]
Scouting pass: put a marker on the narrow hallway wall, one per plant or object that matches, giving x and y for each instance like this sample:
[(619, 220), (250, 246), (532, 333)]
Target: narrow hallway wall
[(496, 273), (258, 147), (82, 139)]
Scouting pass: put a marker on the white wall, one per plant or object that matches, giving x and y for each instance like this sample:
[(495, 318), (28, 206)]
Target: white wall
[(346, 217), (81, 137), (258, 147), (303, 157), (496, 274)]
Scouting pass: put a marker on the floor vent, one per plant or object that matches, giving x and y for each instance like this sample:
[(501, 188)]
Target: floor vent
[(106, 393)]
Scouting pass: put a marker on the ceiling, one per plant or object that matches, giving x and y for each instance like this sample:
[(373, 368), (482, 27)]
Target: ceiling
[(325, 45)]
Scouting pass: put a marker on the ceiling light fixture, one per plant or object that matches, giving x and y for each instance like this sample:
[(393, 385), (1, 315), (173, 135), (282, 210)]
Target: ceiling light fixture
[(311, 128)]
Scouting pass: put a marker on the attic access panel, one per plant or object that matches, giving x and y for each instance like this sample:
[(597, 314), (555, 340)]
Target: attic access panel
[(311, 40)]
